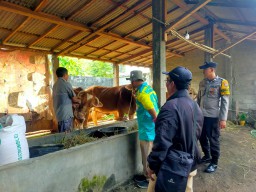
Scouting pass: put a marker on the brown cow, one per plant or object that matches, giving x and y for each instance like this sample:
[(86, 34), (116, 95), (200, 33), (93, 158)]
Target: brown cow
[(113, 99)]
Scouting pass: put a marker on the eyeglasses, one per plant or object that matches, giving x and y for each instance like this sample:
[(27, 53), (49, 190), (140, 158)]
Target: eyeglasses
[(168, 80)]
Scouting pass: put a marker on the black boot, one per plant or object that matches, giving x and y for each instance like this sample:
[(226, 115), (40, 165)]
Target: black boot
[(211, 168), (206, 159)]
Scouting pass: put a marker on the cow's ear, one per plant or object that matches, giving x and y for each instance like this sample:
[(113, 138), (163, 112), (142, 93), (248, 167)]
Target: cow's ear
[(96, 102), (82, 94)]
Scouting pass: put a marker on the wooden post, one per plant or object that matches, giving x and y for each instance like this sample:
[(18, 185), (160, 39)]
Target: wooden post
[(52, 80), (208, 40), (55, 65), (159, 60), (116, 74)]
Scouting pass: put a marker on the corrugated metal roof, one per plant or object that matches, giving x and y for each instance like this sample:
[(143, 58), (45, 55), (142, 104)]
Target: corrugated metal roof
[(4, 33), (35, 26), (62, 8), (62, 33), (72, 21), (22, 39), (10, 20)]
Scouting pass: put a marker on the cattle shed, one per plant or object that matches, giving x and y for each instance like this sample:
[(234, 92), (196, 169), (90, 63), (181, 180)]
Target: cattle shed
[(149, 33)]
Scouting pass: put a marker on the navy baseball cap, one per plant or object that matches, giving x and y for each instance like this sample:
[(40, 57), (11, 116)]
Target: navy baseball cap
[(181, 77), (208, 64)]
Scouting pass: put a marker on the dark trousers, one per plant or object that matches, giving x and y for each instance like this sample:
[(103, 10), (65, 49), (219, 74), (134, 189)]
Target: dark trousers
[(65, 125), (209, 139)]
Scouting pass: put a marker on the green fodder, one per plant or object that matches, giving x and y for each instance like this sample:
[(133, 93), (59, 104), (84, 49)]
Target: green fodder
[(94, 185), (78, 139), (133, 128), (108, 117), (230, 126)]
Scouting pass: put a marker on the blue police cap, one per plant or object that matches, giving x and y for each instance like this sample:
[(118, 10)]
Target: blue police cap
[(208, 64), (180, 75)]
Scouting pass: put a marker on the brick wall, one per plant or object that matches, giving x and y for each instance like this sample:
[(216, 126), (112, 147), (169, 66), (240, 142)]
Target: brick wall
[(23, 85)]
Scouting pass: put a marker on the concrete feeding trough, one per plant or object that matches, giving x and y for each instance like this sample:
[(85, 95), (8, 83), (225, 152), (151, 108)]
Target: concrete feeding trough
[(40, 150), (108, 132), (115, 158)]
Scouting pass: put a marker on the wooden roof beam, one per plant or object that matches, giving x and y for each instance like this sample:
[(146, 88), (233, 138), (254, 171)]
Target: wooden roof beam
[(187, 14), (72, 15), (91, 58), (131, 16), (99, 48), (190, 33), (244, 4), (10, 7), (66, 40), (113, 50), (41, 5), (137, 29), (235, 22), (107, 13), (44, 35), (148, 23), (25, 49), (200, 18), (99, 31), (80, 9), (233, 30), (127, 53), (142, 37), (56, 20), (145, 52), (38, 8), (237, 42), (134, 56)]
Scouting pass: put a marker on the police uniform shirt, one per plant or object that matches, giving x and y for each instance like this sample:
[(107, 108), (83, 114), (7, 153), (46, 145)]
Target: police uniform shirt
[(213, 97)]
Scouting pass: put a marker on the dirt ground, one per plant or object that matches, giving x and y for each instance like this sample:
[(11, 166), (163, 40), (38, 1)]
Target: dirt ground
[(237, 165)]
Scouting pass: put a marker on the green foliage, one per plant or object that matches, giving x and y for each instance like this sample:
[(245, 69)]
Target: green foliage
[(74, 66), (242, 116), (100, 69), (108, 117), (94, 185), (85, 67), (77, 139)]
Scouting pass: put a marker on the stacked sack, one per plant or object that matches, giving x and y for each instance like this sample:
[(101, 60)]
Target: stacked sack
[(13, 142)]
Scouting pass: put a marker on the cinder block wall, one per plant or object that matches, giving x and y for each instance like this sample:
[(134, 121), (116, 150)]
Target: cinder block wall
[(243, 67), (192, 61), (239, 71)]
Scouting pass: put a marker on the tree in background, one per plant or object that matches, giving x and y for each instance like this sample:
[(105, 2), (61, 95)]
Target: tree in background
[(85, 67), (100, 69)]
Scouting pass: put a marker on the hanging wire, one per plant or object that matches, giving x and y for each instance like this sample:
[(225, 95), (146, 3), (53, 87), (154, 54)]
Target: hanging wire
[(195, 44)]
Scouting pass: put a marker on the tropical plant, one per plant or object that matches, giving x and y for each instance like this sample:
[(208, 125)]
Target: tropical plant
[(85, 67), (242, 116)]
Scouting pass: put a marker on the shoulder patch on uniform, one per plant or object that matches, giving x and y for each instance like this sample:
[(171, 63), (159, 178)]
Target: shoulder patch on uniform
[(224, 90)]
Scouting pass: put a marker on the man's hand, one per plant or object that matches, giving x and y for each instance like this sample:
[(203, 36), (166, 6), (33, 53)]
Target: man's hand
[(222, 124), (150, 173)]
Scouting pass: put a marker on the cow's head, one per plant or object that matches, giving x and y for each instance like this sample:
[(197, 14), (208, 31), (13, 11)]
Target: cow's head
[(77, 90), (81, 113), (130, 88)]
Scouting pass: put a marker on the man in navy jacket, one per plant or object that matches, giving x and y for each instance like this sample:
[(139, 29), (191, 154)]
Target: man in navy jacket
[(175, 125)]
